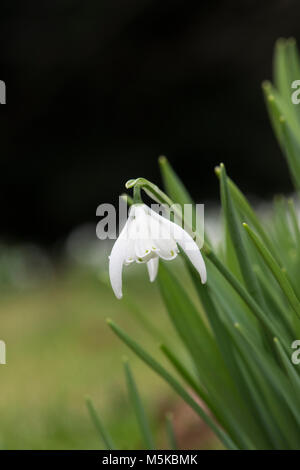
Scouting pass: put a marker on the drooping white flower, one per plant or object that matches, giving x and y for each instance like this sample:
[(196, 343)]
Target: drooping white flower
[(145, 238)]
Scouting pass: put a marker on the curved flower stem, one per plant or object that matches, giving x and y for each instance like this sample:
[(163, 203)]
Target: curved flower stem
[(137, 199), (159, 196), (151, 189)]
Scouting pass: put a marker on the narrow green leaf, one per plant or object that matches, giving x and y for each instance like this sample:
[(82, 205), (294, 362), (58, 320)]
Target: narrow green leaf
[(278, 273), (246, 212), (99, 426), (177, 387), (138, 407), (190, 380), (290, 369), (286, 70), (291, 149), (261, 414), (238, 242), (278, 107), (184, 373), (285, 404), (189, 325), (222, 338), (281, 313), (281, 69), (286, 129), (266, 403), (295, 224), (239, 288), (170, 432), (274, 112)]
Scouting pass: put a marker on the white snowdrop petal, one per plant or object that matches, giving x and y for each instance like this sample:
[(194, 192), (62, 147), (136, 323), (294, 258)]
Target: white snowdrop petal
[(186, 242), (167, 249), (152, 266), (156, 229), (143, 251), (116, 261), (142, 247), (141, 219), (166, 245), (191, 249), (142, 242), (130, 252), (131, 237), (147, 237)]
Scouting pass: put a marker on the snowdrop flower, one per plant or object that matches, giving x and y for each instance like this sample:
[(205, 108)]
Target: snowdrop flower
[(145, 238)]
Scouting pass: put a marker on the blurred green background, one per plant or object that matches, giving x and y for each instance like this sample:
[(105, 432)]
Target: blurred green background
[(60, 349)]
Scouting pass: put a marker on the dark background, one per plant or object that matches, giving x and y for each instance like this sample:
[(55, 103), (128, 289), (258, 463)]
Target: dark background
[(98, 89)]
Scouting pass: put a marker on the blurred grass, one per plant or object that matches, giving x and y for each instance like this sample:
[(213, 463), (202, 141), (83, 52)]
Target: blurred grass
[(59, 349)]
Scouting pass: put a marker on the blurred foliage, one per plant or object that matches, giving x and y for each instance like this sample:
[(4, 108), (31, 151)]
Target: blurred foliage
[(59, 350)]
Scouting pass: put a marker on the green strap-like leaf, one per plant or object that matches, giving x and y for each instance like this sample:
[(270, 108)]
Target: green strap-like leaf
[(245, 210), (239, 288), (108, 442), (286, 130), (170, 432), (138, 407), (238, 242), (290, 369), (278, 273), (295, 224), (185, 374)]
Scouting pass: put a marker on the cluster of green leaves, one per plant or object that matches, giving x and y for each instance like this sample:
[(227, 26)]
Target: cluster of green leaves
[(239, 335), (284, 114)]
